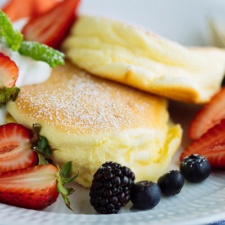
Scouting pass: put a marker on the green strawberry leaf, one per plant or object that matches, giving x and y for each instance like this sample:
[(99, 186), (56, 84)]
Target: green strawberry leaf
[(40, 143), (64, 177), (7, 94)]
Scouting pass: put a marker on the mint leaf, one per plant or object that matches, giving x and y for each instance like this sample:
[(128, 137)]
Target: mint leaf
[(41, 52), (37, 51), (11, 37), (7, 94)]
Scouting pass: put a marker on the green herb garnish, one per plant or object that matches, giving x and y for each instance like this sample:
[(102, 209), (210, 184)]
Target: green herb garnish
[(14, 40), (42, 53), (11, 37)]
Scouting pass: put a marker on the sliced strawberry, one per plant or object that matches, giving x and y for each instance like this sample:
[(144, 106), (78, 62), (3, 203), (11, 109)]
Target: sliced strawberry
[(208, 116), (211, 145), (35, 187), (8, 71), (15, 148), (51, 27), (18, 9), (41, 6)]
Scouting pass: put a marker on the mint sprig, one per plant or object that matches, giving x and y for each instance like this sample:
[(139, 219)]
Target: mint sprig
[(14, 40), (41, 52)]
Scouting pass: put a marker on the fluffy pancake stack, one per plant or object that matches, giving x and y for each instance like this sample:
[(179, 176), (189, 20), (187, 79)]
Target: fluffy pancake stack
[(144, 60), (90, 120)]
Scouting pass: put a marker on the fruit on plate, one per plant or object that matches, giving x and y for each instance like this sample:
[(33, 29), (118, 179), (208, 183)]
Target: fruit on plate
[(13, 39), (211, 145), (18, 9), (26, 8), (110, 189), (195, 168), (15, 148), (171, 182), (8, 71), (42, 6), (51, 27), (208, 116), (35, 187), (8, 77), (145, 195)]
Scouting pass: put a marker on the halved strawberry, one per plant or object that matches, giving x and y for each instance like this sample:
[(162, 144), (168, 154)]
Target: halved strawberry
[(8, 71), (18, 9), (208, 116), (15, 148), (211, 145), (41, 6), (51, 27), (35, 187)]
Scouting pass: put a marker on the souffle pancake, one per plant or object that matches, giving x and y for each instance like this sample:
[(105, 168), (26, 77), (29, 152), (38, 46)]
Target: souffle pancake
[(89, 120), (136, 57)]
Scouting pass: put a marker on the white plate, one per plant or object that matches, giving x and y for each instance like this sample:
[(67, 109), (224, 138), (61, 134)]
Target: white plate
[(187, 23)]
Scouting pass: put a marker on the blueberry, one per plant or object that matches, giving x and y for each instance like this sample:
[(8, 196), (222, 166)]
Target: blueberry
[(195, 168), (171, 183), (145, 195)]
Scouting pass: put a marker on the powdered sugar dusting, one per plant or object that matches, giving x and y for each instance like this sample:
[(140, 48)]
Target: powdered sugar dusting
[(81, 103)]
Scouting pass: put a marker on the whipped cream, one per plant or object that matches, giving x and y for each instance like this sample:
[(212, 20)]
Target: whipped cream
[(30, 71)]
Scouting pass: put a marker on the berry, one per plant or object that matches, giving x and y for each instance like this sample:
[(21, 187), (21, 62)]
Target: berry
[(195, 168), (145, 195), (27, 8), (16, 10), (42, 6), (171, 183), (57, 29), (211, 145), (208, 116), (35, 187), (15, 148), (8, 71), (110, 189)]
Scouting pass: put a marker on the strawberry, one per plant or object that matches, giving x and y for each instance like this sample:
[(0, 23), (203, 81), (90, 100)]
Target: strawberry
[(8, 71), (41, 6), (34, 187), (51, 27), (208, 116), (18, 9), (211, 145), (15, 148), (27, 8)]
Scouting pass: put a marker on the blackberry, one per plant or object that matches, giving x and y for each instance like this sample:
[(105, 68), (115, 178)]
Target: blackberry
[(110, 189)]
